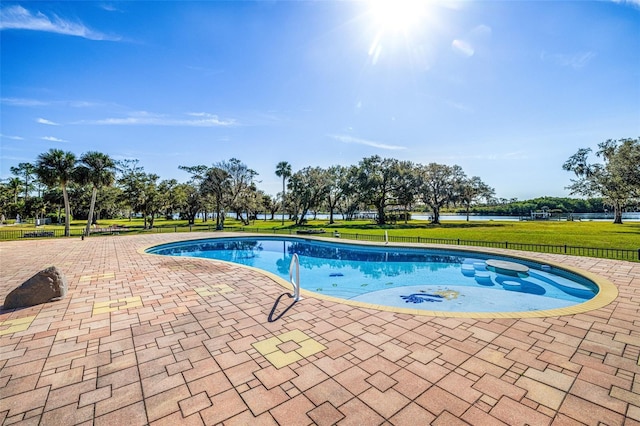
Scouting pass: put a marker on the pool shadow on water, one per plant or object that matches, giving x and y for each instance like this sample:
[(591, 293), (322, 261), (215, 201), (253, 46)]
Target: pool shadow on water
[(271, 317)]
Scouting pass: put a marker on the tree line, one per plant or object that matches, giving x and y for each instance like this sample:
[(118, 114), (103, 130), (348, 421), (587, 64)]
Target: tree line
[(94, 186), (559, 205)]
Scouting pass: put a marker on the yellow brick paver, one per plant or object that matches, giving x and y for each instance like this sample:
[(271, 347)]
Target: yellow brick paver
[(15, 325), (93, 277), (268, 346), (116, 305), (146, 339), (270, 349), (213, 290)]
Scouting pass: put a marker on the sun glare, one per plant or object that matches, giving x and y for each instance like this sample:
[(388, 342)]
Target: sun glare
[(395, 23), (397, 16)]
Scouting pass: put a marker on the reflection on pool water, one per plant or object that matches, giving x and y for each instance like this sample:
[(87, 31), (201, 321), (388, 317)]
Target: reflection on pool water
[(435, 280)]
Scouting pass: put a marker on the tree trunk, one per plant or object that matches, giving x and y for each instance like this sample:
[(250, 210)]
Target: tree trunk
[(436, 215), (617, 215), (381, 218), (67, 212), (331, 215), (283, 198), (94, 192), (300, 219)]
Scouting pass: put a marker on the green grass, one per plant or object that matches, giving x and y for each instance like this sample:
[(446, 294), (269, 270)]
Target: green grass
[(581, 234), (604, 235)]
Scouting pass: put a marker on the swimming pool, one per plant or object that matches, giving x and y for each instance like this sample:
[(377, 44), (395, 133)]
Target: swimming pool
[(417, 278)]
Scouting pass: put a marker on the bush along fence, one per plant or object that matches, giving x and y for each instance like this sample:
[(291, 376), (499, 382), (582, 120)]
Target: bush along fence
[(605, 253)]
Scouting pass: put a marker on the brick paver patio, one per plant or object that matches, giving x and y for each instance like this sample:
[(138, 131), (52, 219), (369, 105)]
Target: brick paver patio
[(143, 339)]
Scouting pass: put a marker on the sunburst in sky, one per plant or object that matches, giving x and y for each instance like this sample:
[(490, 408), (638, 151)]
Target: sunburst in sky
[(508, 90)]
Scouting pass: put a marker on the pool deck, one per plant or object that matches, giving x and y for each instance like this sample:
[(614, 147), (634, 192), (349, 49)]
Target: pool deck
[(143, 339)]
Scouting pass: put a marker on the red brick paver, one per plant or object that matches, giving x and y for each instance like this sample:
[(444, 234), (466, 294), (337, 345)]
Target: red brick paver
[(143, 339)]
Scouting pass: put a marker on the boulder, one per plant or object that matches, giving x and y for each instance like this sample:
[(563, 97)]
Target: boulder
[(46, 285)]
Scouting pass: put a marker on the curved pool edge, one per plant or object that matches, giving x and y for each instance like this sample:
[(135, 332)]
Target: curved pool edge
[(607, 291)]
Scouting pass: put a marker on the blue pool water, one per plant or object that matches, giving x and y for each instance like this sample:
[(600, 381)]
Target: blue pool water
[(436, 280)]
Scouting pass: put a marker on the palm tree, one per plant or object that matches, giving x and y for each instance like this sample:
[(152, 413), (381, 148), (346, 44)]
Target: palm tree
[(15, 185), (56, 168), (98, 170), (283, 170), (25, 170)]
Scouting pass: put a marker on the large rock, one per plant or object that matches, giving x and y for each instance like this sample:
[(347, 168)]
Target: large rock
[(43, 287)]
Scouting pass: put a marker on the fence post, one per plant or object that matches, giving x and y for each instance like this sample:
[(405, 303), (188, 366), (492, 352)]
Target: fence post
[(565, 249), (175, 228), (506, 244), (458, 241), (638, 254)]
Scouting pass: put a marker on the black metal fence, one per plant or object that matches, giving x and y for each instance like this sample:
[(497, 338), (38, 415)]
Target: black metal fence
[(605, 253), (19, 234)]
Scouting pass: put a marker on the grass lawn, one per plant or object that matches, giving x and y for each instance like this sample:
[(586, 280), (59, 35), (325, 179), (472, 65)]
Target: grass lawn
[(583, 234)]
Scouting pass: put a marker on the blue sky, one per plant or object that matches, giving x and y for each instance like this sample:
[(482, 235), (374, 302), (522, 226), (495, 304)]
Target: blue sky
[(508, 90)]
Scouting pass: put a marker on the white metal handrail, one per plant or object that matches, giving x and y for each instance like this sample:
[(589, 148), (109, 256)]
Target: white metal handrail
[(295, 262)]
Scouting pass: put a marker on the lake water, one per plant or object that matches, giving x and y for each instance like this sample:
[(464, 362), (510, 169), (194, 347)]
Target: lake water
[(627, 216)]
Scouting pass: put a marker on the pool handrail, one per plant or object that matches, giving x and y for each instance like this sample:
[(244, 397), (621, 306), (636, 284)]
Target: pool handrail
[(295, 262)]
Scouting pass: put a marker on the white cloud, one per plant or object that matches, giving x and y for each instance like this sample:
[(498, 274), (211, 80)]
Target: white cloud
[(459, 106), (25, 102), (351, 139), (109, 7), (13, 138), (22, 102), (19, 18), (52, 139), (635, 3), (515, 155), (575, 61), (463, 47), (144, 118), (482, 30), (45, 121), (82, 104)]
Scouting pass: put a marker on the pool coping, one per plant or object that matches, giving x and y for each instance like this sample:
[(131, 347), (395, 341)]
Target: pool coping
[(607, 291)]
